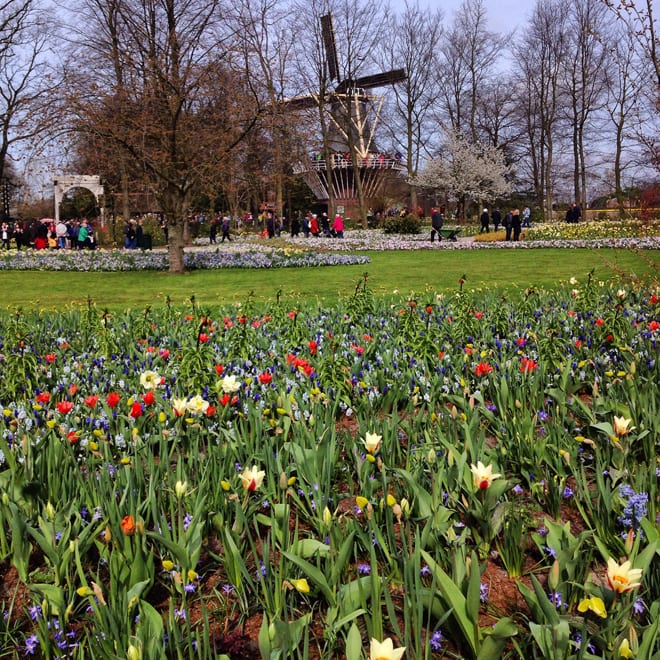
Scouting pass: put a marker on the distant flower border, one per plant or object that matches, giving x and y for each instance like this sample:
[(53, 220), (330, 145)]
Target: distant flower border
[(359, 240), (121, 260), (252, 252)]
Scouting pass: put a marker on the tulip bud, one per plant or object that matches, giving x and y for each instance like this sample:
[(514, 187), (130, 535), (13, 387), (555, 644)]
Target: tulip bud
[(181, 489), (133, 653), (553, 577), (50, 512), (630, 540), (397, 512), (327, 516), (284, 481)]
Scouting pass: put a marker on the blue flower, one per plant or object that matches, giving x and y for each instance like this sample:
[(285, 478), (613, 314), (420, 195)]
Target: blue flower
[(436, 641), (31, 644)]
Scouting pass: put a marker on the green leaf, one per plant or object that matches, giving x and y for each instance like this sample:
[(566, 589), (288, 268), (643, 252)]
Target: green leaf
[(452, 595), (353, 644), (307, 548)]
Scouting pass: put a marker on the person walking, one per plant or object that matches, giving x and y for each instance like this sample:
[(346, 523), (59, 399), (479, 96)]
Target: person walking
[(496, 216), (225, 229), (213, 230), (338, 226), (515, 224), (485, 219), (437, 220), (526, 215), (508, 220), (5, 236)]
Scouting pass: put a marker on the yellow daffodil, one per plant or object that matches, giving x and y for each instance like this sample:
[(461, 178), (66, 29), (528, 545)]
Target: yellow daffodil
[(372, 442), (622, 577), (385, 650), (252, 478), (483, 475), (593, 604)]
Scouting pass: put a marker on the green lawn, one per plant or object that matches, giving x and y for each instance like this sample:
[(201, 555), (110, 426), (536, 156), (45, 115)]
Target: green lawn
[(421, 271)]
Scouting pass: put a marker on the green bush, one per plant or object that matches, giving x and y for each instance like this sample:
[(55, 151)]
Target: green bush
[(407, 224)]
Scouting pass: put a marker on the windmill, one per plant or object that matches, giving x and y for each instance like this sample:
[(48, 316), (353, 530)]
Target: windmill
[(353, 113)]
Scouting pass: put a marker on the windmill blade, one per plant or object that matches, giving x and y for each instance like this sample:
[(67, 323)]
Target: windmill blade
[(328, 31), (301, 102), (374, 80)]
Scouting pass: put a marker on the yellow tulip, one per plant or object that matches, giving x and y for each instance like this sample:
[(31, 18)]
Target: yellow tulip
[(624, 650), (301, 585)]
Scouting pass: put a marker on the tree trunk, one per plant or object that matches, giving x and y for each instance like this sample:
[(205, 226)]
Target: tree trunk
[(175, 245)]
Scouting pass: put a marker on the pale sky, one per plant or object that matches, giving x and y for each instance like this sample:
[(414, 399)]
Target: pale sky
[(503, 15)]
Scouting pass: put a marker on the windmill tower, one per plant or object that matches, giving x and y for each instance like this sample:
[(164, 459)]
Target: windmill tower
[(354, 115)]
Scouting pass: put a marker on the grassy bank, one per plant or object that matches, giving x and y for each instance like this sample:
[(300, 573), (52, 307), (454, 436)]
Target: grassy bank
[(420, 271)]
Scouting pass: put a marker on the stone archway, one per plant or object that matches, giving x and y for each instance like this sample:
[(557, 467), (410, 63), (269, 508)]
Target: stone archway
[(62, 185)]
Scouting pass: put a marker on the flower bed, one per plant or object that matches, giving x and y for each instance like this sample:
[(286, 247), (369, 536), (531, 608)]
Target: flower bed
[(463, 476), (248, 255)]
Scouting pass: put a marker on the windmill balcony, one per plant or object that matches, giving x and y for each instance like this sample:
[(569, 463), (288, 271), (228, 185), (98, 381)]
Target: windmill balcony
[(340, 161)]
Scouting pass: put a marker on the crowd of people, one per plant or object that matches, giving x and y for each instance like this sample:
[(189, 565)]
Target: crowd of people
[(49, 234), (512, 221)]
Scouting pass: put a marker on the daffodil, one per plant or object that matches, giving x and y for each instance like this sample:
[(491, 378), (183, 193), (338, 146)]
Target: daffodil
[(230, 384), (593, 604), (483, 475), (252, 478), (372, 442), (150, 380), (622, 577), (385, 650), (198, 405)]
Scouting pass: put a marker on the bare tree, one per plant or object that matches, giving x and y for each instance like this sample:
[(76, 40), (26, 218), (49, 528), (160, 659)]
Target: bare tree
[(25, 77), (469, 56), (264, 31), (540, 58), (585, 82), (638, 18), (158, 116), (415, 36)]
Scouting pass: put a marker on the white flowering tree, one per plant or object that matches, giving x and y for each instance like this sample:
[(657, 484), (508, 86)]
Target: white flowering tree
[(466, 172)]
